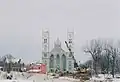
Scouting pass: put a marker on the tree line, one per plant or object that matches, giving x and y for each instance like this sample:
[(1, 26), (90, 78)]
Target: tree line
[(105, 56)]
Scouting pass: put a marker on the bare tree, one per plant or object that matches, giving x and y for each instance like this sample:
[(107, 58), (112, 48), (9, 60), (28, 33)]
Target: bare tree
[(107, 55), (113, 53), (94, 48), (118, 58)]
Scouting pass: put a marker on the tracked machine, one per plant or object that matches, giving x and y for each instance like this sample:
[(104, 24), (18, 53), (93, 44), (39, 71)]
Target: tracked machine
[(82, 73)]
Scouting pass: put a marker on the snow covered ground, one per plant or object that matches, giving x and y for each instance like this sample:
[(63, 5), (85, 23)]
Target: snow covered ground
[(26, 77), (16, 81), (105, 78), (17, 76), (44, 78), (69, 79)]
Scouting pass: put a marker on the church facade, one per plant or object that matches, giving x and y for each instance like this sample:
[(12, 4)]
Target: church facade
[(57, 59)]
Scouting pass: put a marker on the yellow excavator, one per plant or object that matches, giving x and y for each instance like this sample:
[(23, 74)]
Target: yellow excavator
[(82, 73)]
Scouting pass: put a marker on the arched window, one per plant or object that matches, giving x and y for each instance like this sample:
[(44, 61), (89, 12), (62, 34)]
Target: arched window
[(58, 60), (45, 40), (63, 60), (70, 55), (70, 64), (45, 54), (52, 61), (45, 62)]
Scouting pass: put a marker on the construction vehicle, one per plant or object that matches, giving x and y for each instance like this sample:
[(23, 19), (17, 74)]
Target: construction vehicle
[(82, 73)]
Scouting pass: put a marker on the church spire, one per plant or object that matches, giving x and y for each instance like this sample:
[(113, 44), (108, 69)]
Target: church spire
[(57, 43)]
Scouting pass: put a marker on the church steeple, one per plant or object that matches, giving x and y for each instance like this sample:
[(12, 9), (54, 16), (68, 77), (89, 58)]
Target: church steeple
[(57, 43)]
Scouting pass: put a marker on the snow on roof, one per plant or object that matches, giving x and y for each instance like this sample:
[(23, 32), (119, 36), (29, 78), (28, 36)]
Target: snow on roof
[(9, 58)]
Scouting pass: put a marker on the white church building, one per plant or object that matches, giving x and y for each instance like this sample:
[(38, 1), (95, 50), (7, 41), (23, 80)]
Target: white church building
[(57, 58)]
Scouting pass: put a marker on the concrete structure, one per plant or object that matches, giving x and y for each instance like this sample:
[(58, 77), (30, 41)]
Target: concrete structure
[(57, 58)]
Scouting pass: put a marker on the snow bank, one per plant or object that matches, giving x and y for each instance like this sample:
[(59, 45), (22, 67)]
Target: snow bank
[(101, 77), (105, 78), (69, 79), (21, 75), (16, 81), (16, 75)]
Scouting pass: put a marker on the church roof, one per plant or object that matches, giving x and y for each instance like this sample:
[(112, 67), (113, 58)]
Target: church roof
[(57, 49), (9, 58)]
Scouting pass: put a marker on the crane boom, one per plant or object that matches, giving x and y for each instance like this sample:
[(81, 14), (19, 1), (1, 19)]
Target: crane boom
[(68, 47)]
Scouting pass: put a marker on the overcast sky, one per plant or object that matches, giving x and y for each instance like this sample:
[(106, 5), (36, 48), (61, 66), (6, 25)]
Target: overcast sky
[(22, 21)]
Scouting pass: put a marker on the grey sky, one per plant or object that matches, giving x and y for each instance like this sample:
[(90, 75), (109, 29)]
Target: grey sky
[(21, 22)]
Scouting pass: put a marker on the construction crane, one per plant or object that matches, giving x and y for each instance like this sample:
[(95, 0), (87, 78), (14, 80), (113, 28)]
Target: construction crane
[(69, 48), (71, 53)]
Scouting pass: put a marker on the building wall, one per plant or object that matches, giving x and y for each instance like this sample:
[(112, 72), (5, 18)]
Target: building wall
[(69, 63), (12, 66), (45, 60)]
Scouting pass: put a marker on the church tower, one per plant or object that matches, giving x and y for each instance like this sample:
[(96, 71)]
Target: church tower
[(70, 39), (45, 47)]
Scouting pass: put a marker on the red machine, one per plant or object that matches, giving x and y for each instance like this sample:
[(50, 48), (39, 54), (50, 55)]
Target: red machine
[(37, 68)]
